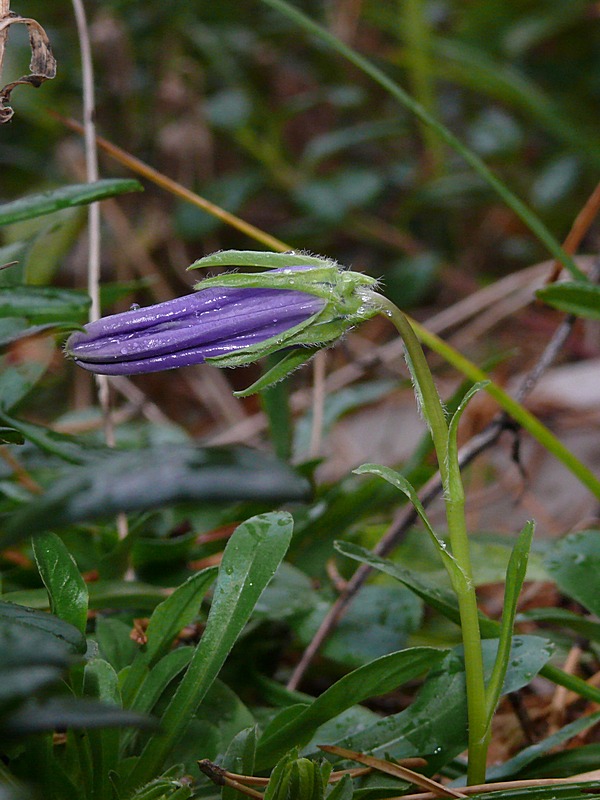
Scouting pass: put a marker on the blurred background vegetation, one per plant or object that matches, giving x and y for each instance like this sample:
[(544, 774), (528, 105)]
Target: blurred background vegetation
[(237, 103)]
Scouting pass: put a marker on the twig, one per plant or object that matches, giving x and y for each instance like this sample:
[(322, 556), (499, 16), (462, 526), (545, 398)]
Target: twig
[(92, 174), (4, 12), (407, 515), (400, 770), (578, 230), (507, 786), (151, 174)]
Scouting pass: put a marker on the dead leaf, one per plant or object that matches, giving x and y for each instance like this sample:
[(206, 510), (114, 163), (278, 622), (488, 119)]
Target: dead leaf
[(42, 66)]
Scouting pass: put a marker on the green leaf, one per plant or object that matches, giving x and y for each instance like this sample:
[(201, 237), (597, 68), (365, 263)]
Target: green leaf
[(100, 682), (529, 755), (239, 759), (376, 623), (581, 299), (178, 610), (250, 560), (434, 726), (28, 619), (67, 448), (515, 576), (563, 618), (400, 482), (378, 677), (44, 304), (37, 205), (174, 613), (574, 564), (102, 595), (19, 376), (148, 478), (11, 436), (445, 602), (70, 712), (342, 790), (66, 588)]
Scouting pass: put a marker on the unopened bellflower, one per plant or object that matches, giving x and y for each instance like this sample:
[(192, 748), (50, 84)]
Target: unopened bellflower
[(231, 319)]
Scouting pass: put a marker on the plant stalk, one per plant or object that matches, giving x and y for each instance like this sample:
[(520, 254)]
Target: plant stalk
[(433, 411)]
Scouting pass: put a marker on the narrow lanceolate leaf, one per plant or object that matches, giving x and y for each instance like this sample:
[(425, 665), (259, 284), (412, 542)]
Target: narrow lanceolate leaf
[(66, 588), (515, 575), (167, 620), (250, 560), (44, 304), (378, 677), (581, 299), (37, 205), (400, 482)]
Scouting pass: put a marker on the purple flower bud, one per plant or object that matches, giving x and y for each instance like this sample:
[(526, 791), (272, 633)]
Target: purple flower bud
[(205, 324)]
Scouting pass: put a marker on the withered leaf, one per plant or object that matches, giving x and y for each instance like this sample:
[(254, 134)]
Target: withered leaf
[(42, 66)]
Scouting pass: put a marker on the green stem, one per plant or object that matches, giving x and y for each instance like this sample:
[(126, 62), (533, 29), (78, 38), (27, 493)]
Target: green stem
[(427, 394), (429, 399)]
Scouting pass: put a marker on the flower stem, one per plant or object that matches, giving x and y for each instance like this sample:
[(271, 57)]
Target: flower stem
[(433, 411)]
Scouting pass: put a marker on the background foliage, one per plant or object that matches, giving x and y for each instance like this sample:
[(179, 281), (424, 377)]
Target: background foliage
[(237, 103)]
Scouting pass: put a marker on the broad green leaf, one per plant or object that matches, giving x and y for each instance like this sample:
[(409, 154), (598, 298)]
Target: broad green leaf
[(342, 790), (250, 560), (44, 304), (26, 680), (515, 575), (434, 726), (378, 677), (70, 712), (54, 629), (66, 588), (37, 205), (581, 299), (20, 372), (529, 755), (574, 564), (148, 478), (376, 623)]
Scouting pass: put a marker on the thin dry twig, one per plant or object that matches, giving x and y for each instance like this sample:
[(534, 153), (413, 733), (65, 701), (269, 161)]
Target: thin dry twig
[(399, 769), (508, 785)]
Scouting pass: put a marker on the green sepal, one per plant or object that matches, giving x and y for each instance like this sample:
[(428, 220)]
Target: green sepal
[(258, 258), (288, 364)]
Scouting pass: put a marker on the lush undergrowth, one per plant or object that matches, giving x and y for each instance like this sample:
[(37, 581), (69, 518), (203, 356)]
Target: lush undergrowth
[(200, 594)]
